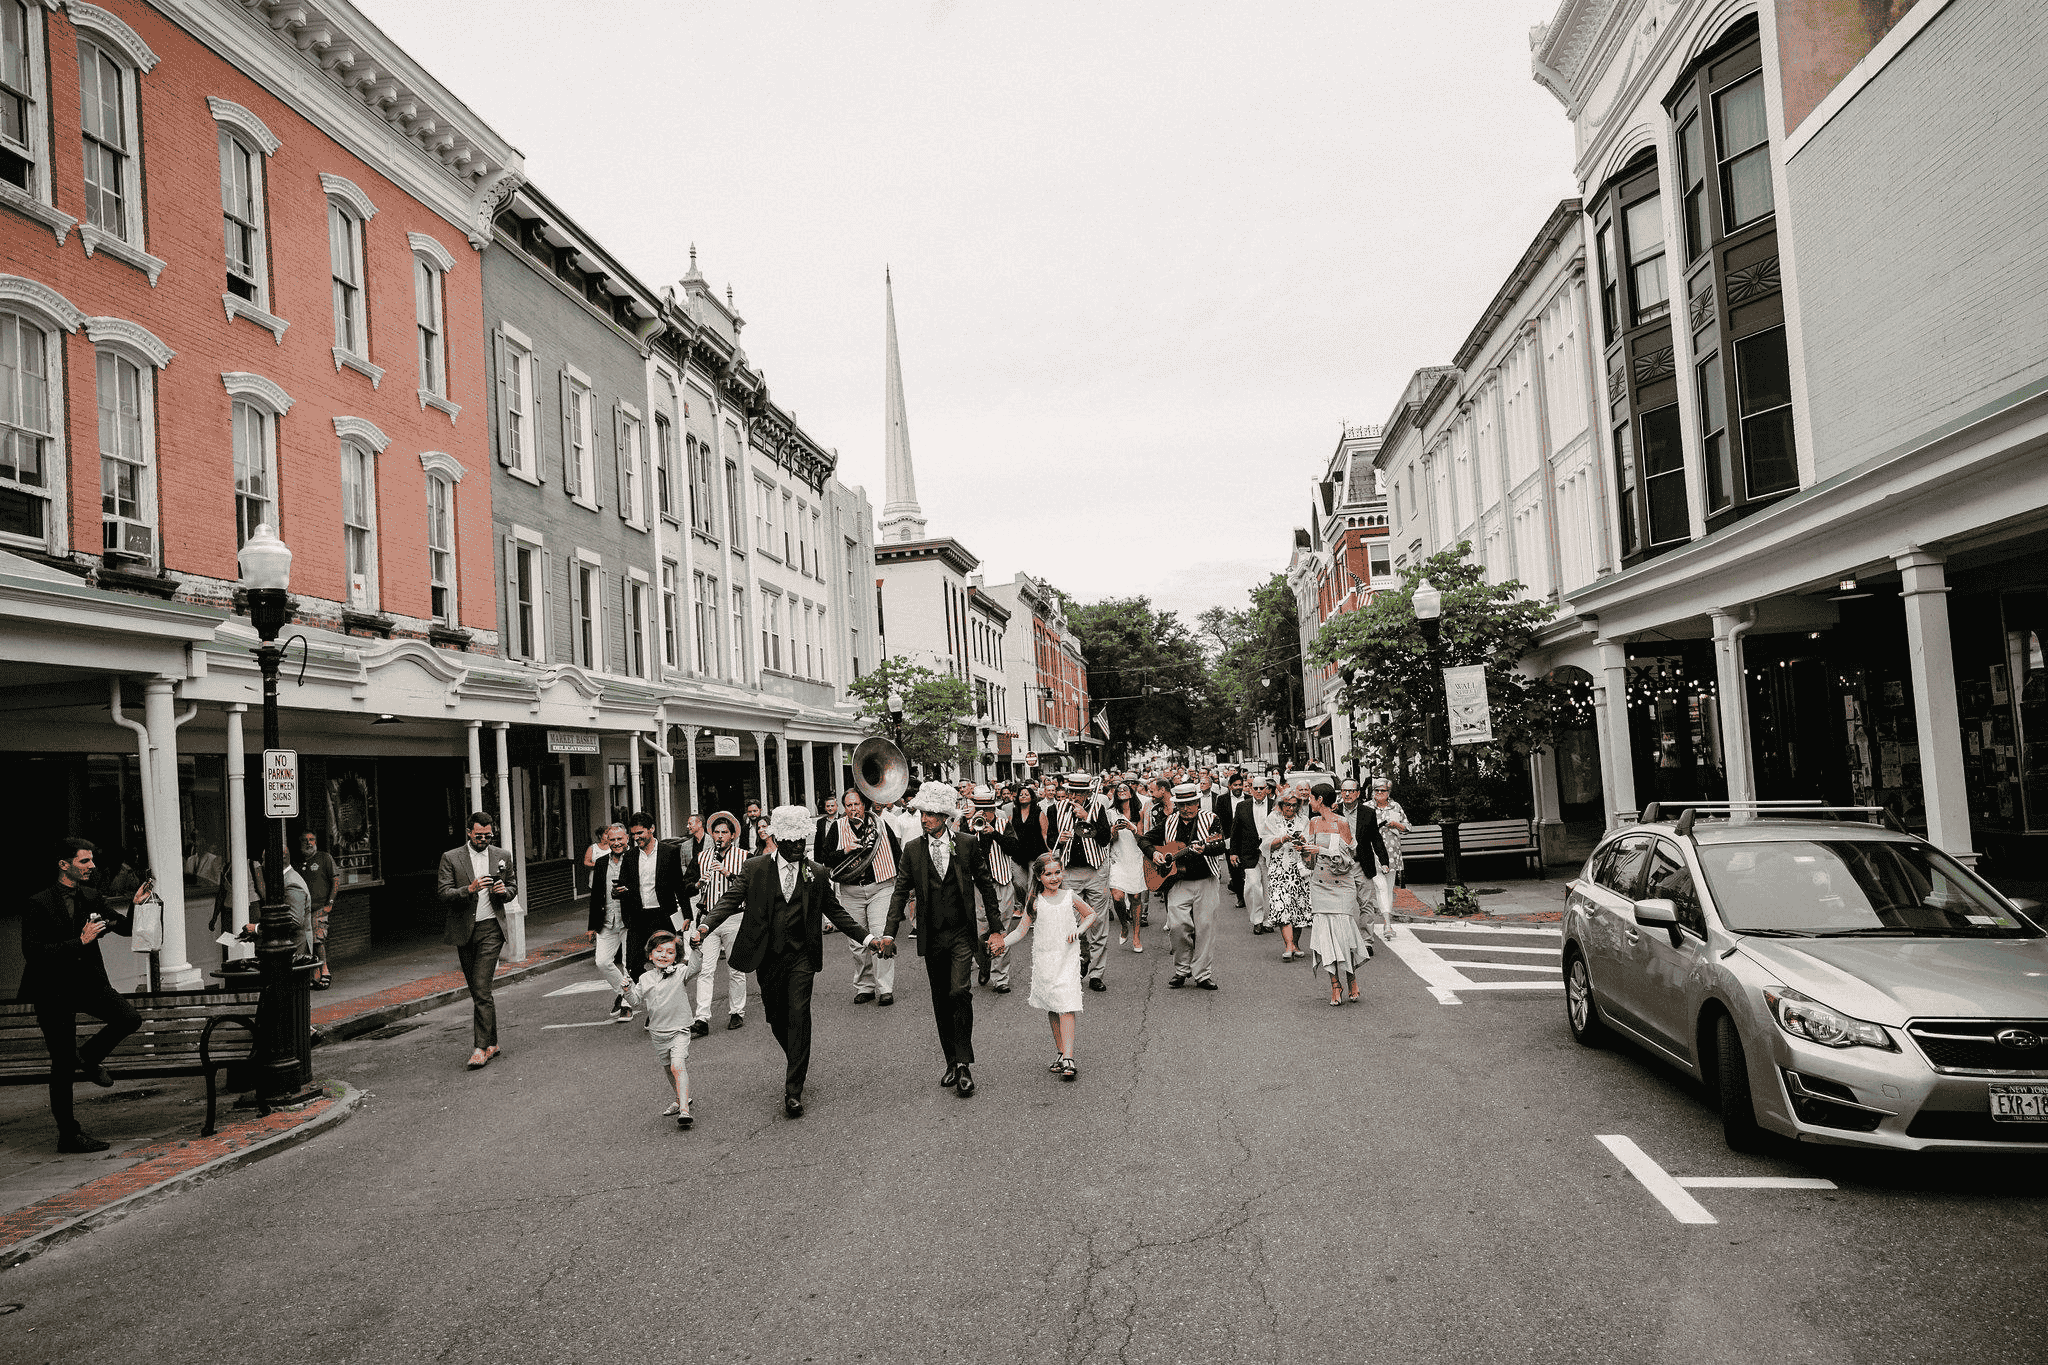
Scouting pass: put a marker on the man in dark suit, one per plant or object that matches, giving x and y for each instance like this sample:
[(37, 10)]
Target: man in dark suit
[(1243, 824), (785, 897), (474, 882), (660, 879), (1364, 819), (945, 872), (63, 976)]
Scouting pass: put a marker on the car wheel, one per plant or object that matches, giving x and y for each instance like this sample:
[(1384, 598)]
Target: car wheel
[(1738, 1111), (1580, 1011)]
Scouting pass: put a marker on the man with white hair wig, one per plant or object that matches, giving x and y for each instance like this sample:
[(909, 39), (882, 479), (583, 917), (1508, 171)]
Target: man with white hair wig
[(785, 898)]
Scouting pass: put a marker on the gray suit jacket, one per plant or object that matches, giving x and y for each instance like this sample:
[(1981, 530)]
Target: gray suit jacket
[(453, 879)]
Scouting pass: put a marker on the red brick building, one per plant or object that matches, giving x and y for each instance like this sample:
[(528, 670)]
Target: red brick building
[(1338, 562), (239, 286)]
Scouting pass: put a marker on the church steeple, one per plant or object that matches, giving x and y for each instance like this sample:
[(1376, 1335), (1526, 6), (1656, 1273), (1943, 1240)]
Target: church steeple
[(902, 519)]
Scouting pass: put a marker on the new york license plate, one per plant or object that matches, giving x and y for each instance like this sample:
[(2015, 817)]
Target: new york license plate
[(2019, 1103)]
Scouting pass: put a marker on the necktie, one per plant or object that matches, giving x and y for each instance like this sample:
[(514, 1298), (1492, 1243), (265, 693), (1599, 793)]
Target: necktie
[(788, 874), (941, 858)]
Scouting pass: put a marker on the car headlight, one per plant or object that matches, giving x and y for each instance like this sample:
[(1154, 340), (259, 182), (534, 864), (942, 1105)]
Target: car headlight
[(1804, 1017)]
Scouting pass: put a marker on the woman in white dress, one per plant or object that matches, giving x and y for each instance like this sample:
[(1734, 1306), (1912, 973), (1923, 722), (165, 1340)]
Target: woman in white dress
[(1056, 956), (1127, 817), (1334, 940)]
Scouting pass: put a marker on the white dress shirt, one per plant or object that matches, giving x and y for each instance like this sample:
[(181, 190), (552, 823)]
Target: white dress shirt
[(644, 872), (480, 866)]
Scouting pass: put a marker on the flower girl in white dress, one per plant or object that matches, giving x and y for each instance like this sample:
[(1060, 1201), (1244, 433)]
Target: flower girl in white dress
[(1056, 956)]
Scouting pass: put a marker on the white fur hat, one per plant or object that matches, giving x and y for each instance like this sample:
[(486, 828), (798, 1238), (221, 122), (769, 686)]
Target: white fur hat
[(791, 824), (937, 798)]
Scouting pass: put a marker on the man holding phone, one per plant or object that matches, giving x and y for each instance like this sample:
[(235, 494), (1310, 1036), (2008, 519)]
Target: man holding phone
[(63, 976), (476, 880)]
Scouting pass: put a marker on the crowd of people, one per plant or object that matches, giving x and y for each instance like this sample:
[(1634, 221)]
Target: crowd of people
[(967, 873)]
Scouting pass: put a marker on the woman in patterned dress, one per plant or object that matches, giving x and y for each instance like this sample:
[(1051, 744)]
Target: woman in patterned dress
[(1287, 902)]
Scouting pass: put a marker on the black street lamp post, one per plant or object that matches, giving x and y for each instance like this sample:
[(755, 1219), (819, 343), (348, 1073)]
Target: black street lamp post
[(283, 1060), (1429, 611)]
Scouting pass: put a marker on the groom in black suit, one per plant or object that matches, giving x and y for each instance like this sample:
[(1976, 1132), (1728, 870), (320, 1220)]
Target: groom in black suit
[(944, 872), (785, 896)]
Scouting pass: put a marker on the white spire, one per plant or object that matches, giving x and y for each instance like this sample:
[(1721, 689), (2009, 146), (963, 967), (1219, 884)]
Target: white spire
[(902, 519)]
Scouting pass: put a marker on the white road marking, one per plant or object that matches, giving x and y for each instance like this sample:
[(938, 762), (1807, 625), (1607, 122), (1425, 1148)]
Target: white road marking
[(1446, 977), (1670, 1190), (1456, 926), (580, 988), (1493, 948), (1653, 1178), (588, 1023)]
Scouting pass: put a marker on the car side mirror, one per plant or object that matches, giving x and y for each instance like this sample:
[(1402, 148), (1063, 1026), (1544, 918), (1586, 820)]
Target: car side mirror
[(1659, 913)]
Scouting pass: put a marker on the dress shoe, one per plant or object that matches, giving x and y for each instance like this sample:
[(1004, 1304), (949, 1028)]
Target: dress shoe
[(1095, 984), (683, 1121), (1176, 983), (101, 1077), (1002, 990), (885, 998), (984, 976), (952, 1075), (964, 1085), (793, 1106), (737, 1021), (699, 1027), (78, 1140), (862, 997), (1206, 984)]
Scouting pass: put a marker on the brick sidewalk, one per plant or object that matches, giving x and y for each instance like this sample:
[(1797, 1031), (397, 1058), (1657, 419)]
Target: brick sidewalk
[(162, 1167)]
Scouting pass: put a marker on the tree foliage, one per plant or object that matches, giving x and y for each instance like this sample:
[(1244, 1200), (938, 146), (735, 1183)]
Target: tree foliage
[(933, 705), (1147, 666), (1391, 681)]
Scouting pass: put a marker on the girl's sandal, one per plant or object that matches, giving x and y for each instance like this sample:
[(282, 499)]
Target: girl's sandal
[(1067, 1072)]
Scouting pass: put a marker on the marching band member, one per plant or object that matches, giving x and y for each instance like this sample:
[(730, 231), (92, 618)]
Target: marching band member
[(863, 852)]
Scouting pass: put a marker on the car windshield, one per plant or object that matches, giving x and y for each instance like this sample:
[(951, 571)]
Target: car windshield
[(1848, 887)]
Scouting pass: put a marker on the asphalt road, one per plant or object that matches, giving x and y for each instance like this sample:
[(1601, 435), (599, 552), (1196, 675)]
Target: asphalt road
[(1244, 1175)]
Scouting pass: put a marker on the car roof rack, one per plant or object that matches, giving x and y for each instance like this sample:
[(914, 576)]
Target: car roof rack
[(1690, 811)]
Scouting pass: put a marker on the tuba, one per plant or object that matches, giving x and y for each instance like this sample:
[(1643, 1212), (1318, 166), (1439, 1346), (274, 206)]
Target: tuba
[(880, 771)]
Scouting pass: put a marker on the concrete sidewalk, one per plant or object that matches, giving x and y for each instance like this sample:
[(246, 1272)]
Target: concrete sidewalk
[(1516, 899), (153, 1125)]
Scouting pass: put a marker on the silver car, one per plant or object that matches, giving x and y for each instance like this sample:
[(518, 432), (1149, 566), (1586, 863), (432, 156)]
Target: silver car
[(1833, 981)]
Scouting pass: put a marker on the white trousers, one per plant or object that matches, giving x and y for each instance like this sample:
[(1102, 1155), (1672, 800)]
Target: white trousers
[(869, 906), (1091, 886), (1011, 897), (718, 944), (1255, 893), (1383, 891), (611, 956)]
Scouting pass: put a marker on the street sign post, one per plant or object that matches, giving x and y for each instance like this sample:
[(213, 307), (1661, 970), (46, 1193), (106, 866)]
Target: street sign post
[(280, 784)]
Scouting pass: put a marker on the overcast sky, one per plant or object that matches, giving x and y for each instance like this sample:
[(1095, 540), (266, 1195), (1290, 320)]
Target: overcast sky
[(1148, 257)]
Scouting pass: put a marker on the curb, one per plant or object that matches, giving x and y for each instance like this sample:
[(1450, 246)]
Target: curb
[(1528, 917), (369, 1021), (339, 1107)]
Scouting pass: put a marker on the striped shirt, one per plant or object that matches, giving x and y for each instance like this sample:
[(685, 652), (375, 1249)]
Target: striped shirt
[(719, 872), (1090, 850)]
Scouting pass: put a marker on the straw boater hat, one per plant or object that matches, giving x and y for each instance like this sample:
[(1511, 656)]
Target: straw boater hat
[(1080, 782), (723, 817), (936, 798), (984, 799), (789, 825), (1186, 794)]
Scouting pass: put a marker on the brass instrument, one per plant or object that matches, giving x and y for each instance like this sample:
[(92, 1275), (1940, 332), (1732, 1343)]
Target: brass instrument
[(880, 771)]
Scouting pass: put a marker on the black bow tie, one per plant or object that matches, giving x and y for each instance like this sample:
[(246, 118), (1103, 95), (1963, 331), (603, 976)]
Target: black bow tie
[(666, 972)]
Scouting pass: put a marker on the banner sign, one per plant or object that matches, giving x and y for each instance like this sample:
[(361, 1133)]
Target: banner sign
[(572, 741), (725, 746), (1465, 693)]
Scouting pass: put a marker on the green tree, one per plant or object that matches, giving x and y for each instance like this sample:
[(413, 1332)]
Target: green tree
[(1257, 670), (933, 704), (1147, 666), (1390, 680)]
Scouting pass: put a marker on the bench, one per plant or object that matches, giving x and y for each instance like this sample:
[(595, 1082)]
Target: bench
[(1476, 837), (176, 1038)]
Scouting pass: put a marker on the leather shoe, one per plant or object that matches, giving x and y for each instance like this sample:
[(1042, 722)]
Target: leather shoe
[(952, 1075), (964, 1086), (1002, 990), (1206, 984), (1095, 984), (78, 1140), (885, 998), (737, 1021), (793, 1106), (101, 1077), (699, 1027), (1176, 983), (862, 997), (984, 976)]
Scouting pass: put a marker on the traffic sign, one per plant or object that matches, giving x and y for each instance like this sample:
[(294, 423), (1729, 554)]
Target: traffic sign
[(1031, 760), (280, 784)]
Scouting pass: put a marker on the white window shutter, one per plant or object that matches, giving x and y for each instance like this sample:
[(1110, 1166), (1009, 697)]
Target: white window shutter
[(510, 578), (572, 482), (533, 422), (619, 460), (506, 455), (544, 608)]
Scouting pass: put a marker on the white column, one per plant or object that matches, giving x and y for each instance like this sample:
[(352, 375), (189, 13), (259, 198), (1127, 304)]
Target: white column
[(810, 777), (664, 784), (504, 787), (476, 769), (166, 850), (238, 832), (1924, 590), (1736, 756), (761, 763), (690, 739), (1617, 764), (633, 789), (1543, 791)]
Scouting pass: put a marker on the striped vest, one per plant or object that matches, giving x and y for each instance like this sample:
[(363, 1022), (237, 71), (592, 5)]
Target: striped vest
[(720, 871), (1090, 850), (1000, 865)]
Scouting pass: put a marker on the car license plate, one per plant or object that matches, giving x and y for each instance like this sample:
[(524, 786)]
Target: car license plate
[(2019, 1103)]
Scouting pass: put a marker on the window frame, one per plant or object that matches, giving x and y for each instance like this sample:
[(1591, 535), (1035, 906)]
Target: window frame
[(442, 586), (268, 420), (431, 334), (52, 446), (638, 622), (629, 452), (145, 460), (579, 441), (352, 309), (586, 605), (33, 149), (359, 538), (528, 552), (739, 633), (234, 142), (128, 155), (664, 468), (516, 355)]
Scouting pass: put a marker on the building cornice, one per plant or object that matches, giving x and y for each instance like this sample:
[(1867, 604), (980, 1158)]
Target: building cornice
[(1562, 223)]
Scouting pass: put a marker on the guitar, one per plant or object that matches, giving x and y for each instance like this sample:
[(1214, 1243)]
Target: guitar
[(1159, 878)]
